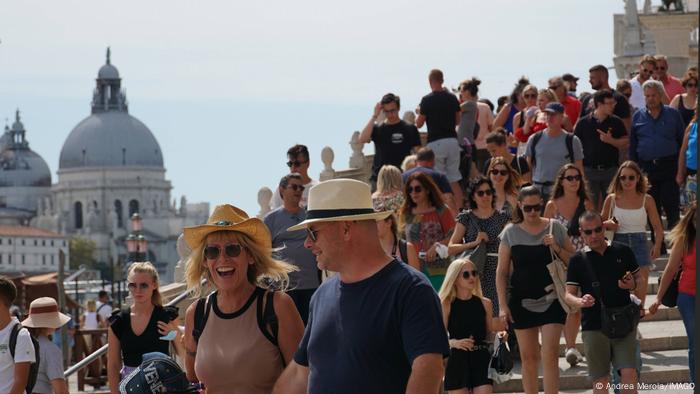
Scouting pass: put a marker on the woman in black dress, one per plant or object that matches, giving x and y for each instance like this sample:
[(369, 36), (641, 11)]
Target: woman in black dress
[(532, 306), (467, 317)]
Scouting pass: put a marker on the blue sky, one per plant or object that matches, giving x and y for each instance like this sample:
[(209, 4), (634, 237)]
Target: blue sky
[(226, 87)]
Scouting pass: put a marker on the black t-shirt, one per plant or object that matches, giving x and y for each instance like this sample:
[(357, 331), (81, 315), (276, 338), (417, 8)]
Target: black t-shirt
[(608, 268), (135, 346), (518, 163), (595, 151), (392, 143), (363, 337), (622, 106), (440, 109)]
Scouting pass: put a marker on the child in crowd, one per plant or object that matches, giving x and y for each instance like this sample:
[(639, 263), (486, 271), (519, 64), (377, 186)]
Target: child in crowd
[(468, 318)]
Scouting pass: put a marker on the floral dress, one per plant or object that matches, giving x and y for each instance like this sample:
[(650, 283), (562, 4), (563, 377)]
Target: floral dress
[(424, 230)]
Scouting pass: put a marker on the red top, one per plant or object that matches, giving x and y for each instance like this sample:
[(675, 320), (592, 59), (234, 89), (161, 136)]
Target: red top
[(572, 107), (686, 284)]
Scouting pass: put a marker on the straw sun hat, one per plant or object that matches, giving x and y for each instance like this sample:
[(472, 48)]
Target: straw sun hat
[(228, 218), (339, 200), (43, 313)]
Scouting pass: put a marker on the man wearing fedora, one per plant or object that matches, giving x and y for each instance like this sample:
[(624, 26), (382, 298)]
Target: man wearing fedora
[(376, 326), (14, 372)]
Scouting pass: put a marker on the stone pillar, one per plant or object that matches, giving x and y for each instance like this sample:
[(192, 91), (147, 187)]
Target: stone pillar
[(327, 157), (357, 160), (672, 36), (264, 199)]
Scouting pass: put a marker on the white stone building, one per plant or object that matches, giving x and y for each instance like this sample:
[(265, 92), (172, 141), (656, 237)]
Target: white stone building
[(30, 249)]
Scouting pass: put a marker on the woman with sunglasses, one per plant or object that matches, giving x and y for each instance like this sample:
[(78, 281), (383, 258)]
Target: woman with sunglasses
[(482, 223), (468, 321), (682, 257), (141, 328), (247, 332), (686, 102), (532, 307), (505, 182), (626, 210), (428, 224), (568, 202)]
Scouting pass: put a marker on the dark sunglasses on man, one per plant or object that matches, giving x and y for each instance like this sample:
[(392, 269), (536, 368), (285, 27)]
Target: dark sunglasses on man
[(597, 230), (295, 163), (296, 188)]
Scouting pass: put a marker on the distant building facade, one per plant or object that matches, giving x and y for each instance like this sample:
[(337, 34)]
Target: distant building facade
[(30, 250)]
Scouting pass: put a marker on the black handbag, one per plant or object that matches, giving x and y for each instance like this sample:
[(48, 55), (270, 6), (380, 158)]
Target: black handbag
[(670, 298)]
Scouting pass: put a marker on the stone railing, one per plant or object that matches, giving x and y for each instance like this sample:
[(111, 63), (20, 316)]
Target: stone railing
[(360, 165)]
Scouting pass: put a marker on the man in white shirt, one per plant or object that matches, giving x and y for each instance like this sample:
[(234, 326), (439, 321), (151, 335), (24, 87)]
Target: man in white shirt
[(14, 372), (104, 309), (298, 161), (647, 66)]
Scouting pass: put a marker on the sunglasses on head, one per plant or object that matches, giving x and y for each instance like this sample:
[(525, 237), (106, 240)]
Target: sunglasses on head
[(473, 273), (631, 178), (213, 252), (141, 286), (295, 163), (530, 208), (416, 189), (296, 188), (499, 172), (597, 230), (572, 178), (481, 193)]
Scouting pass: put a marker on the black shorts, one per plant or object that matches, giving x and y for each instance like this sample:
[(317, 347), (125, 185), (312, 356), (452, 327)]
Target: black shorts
[(467, 369)]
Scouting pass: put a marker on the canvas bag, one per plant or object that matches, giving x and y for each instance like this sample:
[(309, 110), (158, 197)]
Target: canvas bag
[(557, 270)]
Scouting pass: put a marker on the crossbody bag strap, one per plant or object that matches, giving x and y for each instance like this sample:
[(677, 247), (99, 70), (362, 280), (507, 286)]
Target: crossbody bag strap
[(551, 250), (595, 284)]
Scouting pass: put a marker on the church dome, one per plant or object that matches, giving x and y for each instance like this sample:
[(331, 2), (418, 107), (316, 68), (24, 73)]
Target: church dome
[(19, 165), (110, 137)]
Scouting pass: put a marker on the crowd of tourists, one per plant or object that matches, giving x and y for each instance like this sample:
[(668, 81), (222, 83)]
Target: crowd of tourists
[(537, 218)]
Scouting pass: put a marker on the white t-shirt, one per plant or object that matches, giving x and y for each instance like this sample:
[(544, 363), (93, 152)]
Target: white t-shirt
[(24, 352), (637, 99), (277, 199), (90, 322), (104, 310)]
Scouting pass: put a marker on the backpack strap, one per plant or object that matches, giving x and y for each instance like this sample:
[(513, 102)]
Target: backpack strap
[(201, 314), (570, 146), (535, 140), (403, 250), (268, 318), (13, 338)]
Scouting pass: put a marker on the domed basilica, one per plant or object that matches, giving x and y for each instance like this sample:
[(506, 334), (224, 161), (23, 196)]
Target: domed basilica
[(110, 167)]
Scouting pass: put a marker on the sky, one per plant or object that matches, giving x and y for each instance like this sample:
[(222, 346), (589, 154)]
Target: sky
[(227, 87)]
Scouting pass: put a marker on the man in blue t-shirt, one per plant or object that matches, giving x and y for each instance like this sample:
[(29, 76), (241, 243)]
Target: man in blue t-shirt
[(376, 326)]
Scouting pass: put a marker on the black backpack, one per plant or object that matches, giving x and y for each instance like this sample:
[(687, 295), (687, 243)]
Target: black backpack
[(265, 318), (34, 368), (569, 146)]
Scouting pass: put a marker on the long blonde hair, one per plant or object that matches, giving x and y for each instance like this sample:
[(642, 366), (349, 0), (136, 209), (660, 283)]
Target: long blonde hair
[(389, 179), (684, 232), (448, 292), (642, 180), (265, 272), (147, 268)]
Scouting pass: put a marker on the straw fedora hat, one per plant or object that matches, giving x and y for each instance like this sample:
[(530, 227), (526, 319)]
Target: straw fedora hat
[(339, 200), (43, 313), (228, 218)]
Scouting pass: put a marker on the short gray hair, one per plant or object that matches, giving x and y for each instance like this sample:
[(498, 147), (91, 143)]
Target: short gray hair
[(654, 84)]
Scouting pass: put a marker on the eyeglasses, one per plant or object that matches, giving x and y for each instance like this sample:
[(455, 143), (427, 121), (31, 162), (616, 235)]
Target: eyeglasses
[(691, 85), (416, 189), (499, 172), (530, 208), (313, 234), (481, 193), (296, 163), (391, 111), (597, 230), (141, 286), (473, 273), (529, 96), (296, 188), (213, 252), (625, 178), (572, 178)]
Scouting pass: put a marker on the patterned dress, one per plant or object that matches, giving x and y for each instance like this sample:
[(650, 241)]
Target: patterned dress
[(492, 226), (424, 230)]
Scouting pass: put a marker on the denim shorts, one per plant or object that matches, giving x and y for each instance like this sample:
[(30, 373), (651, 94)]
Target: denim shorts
[(639, 244)]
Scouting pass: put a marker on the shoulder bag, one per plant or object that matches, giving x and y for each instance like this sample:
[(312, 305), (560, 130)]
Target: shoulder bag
[(557, 270)]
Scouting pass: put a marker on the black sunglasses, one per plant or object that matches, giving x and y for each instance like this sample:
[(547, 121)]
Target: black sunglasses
[(572, 178), (597, 230), (473, 273), (296, 188), (416, 189), (631, 178), (213, 252), (296, 163), (313, 234), (142, 286), (530, 208), (499, 172), (481, 193)]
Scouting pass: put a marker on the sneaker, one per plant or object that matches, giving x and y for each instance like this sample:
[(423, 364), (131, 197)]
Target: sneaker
[(573, 356)]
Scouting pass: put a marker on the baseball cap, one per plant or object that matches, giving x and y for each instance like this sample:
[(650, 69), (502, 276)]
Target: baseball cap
[(554, 108), (568, 77)]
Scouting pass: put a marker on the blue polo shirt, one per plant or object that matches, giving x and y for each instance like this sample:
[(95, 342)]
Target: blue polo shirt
[(651, 138)]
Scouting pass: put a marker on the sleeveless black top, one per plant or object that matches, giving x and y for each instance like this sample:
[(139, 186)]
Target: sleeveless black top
[(135, 346), (467, 318), (686, 113)]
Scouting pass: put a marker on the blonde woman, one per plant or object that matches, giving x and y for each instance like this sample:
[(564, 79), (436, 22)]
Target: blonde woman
[(389, 194), (141, 328), (90, 320), (468, 319), (247, 333)]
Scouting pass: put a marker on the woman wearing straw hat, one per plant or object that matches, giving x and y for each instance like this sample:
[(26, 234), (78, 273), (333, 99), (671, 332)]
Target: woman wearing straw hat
[(148, 318), (44, 318), (247, 332)]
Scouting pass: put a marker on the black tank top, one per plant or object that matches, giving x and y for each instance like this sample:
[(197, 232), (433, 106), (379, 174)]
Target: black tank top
[(686, 113), (467, 318), (135, 346)]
